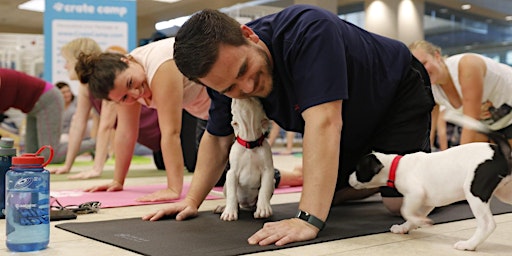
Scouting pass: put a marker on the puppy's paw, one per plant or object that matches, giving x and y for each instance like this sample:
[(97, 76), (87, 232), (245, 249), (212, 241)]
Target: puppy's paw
[(219, 209), (263, 211), (403, 228), (464, 246), (399, 229), (229, 214)]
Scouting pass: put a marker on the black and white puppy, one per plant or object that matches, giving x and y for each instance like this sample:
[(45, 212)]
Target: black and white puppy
[(474, 172)]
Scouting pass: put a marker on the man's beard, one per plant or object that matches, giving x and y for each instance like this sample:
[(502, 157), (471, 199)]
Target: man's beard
[(267, 68)]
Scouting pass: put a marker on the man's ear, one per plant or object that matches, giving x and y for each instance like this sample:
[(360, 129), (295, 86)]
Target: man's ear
[(249, 33)]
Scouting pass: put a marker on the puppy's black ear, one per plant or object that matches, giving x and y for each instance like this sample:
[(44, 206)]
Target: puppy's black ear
[(368, 167)]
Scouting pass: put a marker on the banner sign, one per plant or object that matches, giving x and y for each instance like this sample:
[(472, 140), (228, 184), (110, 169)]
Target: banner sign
[(111, 23)]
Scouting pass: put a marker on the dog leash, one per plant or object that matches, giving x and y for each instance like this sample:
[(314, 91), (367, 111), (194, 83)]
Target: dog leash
[(392, 171)]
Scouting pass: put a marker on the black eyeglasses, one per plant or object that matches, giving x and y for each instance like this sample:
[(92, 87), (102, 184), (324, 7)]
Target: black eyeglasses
[(85, 208)]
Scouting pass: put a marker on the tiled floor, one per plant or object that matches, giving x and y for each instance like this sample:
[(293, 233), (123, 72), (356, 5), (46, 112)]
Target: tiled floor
[(435, 240)]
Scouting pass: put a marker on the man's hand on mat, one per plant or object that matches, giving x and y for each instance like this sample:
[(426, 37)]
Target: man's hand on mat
[(182, 210), (85, 175), (284, 232), (160, 195), (112, 186), (59, 170)]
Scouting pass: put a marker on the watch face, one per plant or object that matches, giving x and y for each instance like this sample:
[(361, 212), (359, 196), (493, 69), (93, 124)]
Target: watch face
[(303, 215), (311, 219)]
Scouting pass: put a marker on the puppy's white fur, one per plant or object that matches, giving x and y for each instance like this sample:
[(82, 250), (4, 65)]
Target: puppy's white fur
[(250, 179), (473, 172)]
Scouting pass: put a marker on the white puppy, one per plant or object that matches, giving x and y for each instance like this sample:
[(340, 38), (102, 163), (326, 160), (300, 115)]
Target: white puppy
[(474, 172), (250, 179)]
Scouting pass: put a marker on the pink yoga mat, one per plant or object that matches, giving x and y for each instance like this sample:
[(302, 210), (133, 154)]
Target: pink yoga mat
[(128, 196)]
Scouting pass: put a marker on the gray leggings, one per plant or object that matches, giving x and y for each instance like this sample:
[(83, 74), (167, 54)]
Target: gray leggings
[(44, 124)]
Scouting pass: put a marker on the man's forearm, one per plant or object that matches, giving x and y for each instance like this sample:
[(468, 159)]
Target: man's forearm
[(211, 161)]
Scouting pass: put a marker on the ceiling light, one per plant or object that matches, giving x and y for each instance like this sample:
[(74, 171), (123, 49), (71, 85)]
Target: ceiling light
[(465, 6), (162, 25), (177, 22), (32, 5)]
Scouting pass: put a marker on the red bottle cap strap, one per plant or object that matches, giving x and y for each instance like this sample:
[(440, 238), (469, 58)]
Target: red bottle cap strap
[(50, 157)]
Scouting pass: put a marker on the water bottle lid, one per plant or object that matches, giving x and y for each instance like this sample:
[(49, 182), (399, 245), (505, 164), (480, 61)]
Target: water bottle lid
[(6, 142), (28, 159), (33, 159)]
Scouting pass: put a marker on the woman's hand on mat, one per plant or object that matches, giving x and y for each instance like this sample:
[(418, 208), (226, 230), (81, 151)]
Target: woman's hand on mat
[(284, 232), (160, 195), (85, 175), (112, 186), (183, 210), (59, 170)]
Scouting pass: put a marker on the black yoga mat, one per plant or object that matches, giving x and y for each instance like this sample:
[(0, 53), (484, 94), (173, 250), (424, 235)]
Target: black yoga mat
[(208, 235)]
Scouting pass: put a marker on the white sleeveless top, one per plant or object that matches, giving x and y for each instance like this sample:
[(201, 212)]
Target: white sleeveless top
[(497, 94), (195, 98)]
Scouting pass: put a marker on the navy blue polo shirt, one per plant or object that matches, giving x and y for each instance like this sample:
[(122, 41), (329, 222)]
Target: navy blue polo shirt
[(320, 58)]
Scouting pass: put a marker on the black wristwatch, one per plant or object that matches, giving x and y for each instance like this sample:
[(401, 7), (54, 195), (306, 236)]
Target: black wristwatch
[(311, 219)]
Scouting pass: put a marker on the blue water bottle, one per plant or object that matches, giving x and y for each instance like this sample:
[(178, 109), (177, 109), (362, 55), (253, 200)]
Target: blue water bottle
[(27, 202), (6, 153)]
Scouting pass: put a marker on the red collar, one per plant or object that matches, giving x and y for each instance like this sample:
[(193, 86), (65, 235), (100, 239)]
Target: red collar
[(251, 144), (392, 171)]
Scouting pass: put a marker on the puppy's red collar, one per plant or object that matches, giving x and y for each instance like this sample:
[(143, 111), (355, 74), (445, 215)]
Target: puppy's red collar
[(251, 144), (392, 171)]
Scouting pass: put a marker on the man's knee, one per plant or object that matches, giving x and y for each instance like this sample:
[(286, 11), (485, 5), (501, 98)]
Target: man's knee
[(392, 199)]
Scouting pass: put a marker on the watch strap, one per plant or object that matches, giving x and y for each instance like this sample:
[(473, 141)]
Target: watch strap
[(311, 219)]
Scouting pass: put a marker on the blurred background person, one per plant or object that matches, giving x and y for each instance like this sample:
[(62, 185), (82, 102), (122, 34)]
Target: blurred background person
[(44, 106), (472, 84)]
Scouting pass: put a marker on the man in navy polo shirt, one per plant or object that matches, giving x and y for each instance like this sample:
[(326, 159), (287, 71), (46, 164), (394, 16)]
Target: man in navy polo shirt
[(347, 90)]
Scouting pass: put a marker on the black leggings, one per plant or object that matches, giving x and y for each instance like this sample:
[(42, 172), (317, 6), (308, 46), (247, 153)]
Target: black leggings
[(192, 129)]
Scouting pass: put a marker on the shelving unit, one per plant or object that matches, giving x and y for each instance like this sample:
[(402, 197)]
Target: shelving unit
[(25, 53), (22, 52)]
